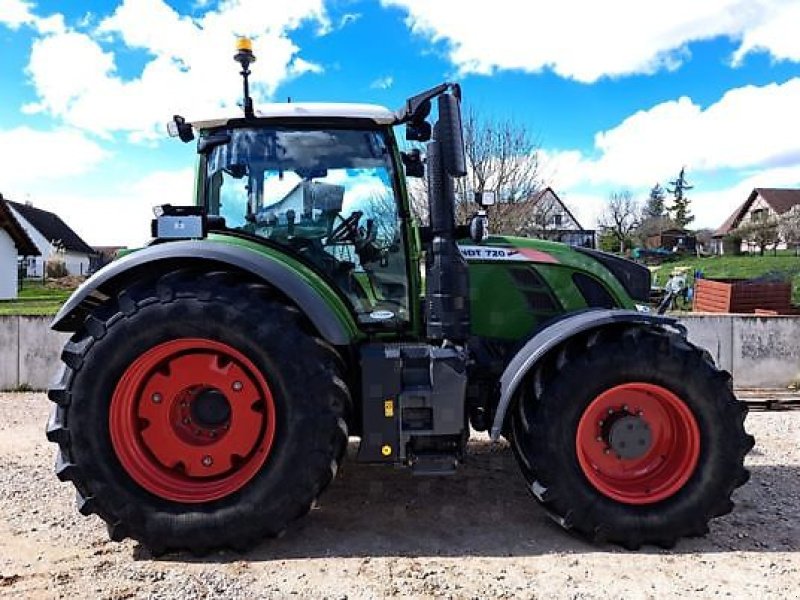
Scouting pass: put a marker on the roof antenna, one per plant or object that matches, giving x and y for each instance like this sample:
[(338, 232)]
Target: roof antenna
[(244, 56)]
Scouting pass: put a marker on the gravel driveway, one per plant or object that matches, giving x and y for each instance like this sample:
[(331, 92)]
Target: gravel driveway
[(380, 532)]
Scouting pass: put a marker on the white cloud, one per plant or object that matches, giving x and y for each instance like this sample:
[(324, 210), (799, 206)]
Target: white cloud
[(749, 127), (28, 155), (190, 70), (382, 83), (14, 13), (588, 40), (775, 34), (118, 215)]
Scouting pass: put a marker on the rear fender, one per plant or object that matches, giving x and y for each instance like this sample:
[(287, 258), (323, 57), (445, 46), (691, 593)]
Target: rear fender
[(552, 336), (333, 325)]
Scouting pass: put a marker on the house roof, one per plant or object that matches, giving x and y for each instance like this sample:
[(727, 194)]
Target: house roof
[(9, 224), (52, 227), (541, 194), (780, 200)]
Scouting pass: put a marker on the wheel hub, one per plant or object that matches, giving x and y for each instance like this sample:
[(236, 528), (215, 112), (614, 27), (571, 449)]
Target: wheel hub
[(630, 437), (210, 408)]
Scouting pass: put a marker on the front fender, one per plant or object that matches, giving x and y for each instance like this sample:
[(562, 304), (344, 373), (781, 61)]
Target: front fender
[(327, 313), (552, 336)]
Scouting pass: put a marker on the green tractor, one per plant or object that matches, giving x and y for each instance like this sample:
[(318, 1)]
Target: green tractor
[(214, 377)]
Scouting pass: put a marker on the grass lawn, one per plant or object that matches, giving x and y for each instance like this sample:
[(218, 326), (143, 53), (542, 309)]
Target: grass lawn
[(35, 299), (784, 266)]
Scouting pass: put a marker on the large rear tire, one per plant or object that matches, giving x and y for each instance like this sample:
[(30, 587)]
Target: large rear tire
[(631, 436), (196, 412)]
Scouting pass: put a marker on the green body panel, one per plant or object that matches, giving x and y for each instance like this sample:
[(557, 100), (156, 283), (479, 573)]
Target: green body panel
[(507, 305), (337, 305)]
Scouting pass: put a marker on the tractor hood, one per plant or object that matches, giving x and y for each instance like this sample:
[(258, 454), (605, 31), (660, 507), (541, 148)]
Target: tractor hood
[(632, 277)]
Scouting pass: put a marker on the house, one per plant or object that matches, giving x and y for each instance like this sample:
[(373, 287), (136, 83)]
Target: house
[(544, 215), (672, 239), (14, 245), (53, 239), (761, 204)]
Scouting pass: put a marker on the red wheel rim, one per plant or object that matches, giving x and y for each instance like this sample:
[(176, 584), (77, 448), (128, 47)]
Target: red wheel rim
[(192, 420), (662, 436)]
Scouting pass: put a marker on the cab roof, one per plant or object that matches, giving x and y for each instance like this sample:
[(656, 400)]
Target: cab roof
[(379, 114)]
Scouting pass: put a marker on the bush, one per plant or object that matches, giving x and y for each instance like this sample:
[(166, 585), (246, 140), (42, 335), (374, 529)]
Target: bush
[(56, 269)]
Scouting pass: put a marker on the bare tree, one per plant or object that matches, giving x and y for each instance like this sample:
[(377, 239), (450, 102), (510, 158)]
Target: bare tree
[(621, 217), (502, 156)]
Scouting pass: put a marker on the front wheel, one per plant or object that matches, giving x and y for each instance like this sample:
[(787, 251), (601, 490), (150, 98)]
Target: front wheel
[(196, 412), (632, 437)]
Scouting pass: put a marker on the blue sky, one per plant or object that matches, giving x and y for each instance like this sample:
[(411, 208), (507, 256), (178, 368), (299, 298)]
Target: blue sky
[(620, 94)]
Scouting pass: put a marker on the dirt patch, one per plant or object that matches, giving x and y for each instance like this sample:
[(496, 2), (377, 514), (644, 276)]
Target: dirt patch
[(379, 532)]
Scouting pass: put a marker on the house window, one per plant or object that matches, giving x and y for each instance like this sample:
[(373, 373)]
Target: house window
[(557, 220), (760, 214)]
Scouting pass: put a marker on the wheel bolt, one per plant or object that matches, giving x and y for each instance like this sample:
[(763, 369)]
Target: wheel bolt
[(207, 461), (625, 407), (599, 438), (237, 386), (186, 420), (611, 411), (212, 434), (607, 451), (157, 398), (600, 423)]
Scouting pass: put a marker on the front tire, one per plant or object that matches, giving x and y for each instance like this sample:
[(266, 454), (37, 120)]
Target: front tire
[(631, 436), (198, 413)]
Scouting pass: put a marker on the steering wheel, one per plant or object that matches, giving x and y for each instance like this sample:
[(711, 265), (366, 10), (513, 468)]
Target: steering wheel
[(347, 230)]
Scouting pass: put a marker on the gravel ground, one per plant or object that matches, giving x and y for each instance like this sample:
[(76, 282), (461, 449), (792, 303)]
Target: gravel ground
[(380, 532)]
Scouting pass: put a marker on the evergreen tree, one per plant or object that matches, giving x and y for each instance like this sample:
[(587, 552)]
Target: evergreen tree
[(679, 211), (654, 207)]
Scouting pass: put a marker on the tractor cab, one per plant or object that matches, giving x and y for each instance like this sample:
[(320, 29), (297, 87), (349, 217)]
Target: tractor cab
[(325, 193)]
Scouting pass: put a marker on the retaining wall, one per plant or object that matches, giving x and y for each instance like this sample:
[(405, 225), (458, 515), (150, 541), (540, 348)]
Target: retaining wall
[(758, 351)]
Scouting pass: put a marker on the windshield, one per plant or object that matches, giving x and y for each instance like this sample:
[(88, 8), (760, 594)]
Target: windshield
[(325, 194)]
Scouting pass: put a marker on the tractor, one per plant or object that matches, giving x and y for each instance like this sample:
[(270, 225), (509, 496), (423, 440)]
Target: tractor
[(214, 377)]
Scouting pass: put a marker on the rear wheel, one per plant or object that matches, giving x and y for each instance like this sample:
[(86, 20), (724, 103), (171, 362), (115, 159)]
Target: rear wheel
[(631, 436), (198, 413)]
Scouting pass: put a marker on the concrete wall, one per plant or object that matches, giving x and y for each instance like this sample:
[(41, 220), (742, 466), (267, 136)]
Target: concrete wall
[(758, 351), (29, 352)]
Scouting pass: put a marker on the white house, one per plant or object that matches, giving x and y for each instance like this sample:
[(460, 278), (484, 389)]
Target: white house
[(761, 204), (52, 237), (552, 220), (14, 243)]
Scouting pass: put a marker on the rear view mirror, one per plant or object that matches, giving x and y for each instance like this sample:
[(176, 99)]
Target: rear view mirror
[(179, 128), (485, 199)]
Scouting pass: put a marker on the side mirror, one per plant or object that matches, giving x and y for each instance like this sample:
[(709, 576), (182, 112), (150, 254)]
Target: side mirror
[(413, 163), (449, 134), (179, 128), (485, 199)]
